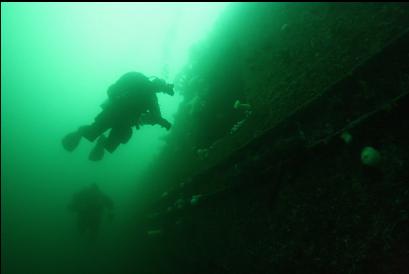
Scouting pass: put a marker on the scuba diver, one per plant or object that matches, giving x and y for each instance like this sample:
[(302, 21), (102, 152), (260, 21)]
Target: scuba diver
[(90, 204), (132, 101)]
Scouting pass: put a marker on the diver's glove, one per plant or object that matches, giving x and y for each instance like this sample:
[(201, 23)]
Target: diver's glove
[(165, 123)]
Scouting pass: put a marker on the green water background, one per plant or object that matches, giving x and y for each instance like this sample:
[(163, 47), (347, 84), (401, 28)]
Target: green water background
[(57, 61)]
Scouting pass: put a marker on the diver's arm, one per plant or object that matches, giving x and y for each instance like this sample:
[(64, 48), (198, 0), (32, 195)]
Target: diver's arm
[(157, 116), (165, 123)]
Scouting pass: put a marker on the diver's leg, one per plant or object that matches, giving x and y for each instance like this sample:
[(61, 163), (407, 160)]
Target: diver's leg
[(118, 135), (113, 141), (97, 153), (72, 140), (91, 132), (101, 124), (94, 228)]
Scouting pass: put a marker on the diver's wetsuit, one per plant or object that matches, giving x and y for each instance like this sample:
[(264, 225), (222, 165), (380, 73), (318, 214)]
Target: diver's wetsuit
[(89, 204), (129, 97)]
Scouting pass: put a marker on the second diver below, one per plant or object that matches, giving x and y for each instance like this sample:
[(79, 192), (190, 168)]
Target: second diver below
[(132, 101)]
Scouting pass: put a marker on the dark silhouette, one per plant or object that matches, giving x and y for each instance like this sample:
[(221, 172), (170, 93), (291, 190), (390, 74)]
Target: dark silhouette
[(132, 101), (90, 204)]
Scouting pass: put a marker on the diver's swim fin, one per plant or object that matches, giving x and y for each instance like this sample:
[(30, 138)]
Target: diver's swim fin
[(71, 140), (97, 153)]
